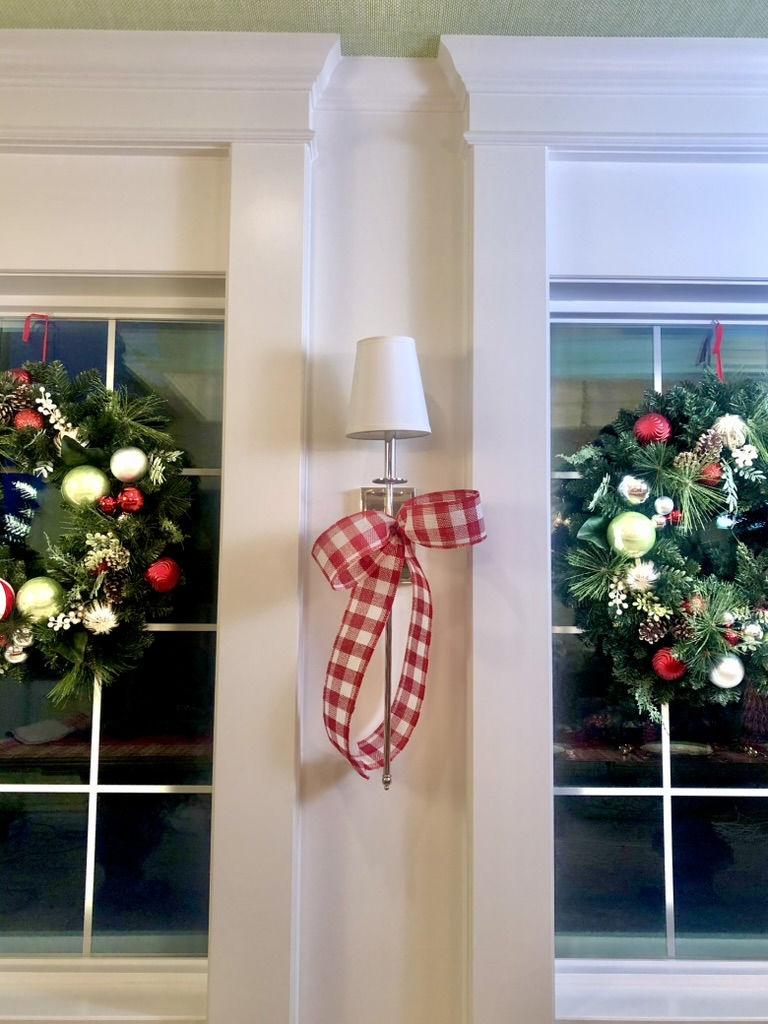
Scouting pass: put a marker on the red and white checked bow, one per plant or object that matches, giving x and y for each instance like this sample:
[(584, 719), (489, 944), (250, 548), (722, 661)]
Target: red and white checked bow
[(365, 553)]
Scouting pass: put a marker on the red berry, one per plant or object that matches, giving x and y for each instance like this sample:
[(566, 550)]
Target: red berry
[(731, 637), (130, 499), (675, 517), (108, 505)]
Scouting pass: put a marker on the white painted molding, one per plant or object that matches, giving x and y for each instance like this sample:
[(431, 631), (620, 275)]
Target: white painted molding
[(160, 88), (260, 61), (389, 85), (557, 66)]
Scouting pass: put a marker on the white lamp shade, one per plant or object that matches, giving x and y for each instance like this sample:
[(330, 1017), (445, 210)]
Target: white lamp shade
[(387, 395)]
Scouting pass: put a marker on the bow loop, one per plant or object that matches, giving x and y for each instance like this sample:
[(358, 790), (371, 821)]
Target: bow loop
[(443, 519), (365, 553), (346, 552)]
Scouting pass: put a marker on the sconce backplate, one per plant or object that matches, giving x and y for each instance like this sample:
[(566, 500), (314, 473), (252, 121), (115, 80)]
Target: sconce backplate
[(372, 500)]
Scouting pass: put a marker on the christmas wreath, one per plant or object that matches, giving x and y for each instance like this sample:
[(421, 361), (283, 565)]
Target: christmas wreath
[(660, 544), (83, 603)]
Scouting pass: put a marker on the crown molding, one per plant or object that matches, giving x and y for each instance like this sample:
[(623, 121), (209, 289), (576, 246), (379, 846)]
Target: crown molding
[(640, 145), (544, 65), (210, 61), (170, 88)]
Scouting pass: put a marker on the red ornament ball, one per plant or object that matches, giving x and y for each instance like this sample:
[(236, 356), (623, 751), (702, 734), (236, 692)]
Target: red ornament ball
[(675, 517), (652, 427), (21, 375), (731, 637), (130, 499), (711, 474), (695, 605), (28, 418), (7, 598), (108, 505), (163, 575), (667, 666)]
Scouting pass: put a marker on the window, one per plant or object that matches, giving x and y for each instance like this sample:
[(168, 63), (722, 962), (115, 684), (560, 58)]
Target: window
[(105, 830), (659, 832)]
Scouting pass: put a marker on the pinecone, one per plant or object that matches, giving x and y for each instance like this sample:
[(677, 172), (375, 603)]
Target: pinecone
[(709, 446), (114, 586), (681, 630), (688, 461), (12, 403), (652, 630)]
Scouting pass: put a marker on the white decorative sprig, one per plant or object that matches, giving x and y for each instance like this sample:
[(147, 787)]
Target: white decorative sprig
[(744, 456), (105, 547), (56, 417), (617, 597), (65, 620), (158, 465)]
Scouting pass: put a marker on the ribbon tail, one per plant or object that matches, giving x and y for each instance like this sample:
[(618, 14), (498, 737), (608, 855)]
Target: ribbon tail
[(409, 696), (717, 350), (367, 611)]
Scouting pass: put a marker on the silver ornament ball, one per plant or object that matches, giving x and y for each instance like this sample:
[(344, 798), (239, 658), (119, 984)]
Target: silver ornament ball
[(129, 465)]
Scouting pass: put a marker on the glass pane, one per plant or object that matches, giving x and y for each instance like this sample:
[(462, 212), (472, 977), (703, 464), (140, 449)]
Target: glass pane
[(42, 867), (609, 877), (157, 723), (721, 747), (151, 894), (182, 362), (721, 863), (79, 344), (687, 351), (597, 369), (41, 741), (196, 600), (600, 737)]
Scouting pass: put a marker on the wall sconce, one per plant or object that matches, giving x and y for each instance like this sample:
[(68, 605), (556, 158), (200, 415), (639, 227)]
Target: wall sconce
[(365, 553), (387, 404)]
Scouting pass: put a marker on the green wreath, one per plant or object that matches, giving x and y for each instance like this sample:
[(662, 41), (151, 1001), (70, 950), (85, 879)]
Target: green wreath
[(660, 544), (83, 604)]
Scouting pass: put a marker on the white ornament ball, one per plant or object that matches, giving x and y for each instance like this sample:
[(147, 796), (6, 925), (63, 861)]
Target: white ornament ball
[(663, 506), (659, 521), (753, 631), (727, 618), (727, 672), (634, 491), (15, 655), (129, 465)]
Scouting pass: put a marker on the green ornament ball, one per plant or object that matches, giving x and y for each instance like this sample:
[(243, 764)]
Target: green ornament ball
[(84, 485), (631, 534), (40, 598)]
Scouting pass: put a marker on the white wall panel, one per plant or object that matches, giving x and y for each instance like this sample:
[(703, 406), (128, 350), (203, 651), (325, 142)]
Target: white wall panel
[(652, 219), (113, 213), (383, 874)]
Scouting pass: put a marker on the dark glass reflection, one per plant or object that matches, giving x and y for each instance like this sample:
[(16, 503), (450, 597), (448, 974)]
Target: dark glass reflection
[(687, 352), (42, 867), (609, 877), (600, 737), (78, 344), (196, 600), (152, 855), (720, 867), (182, 362), (597, 369), (721, 747), (157, 721)]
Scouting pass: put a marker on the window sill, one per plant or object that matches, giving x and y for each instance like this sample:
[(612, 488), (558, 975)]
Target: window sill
[(149, 991), (661, 992)]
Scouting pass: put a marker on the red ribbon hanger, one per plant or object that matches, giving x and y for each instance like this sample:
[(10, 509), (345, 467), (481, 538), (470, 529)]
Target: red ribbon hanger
[(28, 330), (365, 553), (717, 349)]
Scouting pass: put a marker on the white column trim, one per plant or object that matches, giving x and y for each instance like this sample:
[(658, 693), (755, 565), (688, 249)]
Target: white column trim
[(528, 100)]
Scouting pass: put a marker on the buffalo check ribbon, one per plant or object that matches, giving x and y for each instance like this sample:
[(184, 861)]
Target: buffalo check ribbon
[(365, 553)]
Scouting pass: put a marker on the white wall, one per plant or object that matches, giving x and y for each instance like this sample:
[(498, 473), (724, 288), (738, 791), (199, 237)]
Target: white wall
[(383, 874), (658, 219), (113, 213)]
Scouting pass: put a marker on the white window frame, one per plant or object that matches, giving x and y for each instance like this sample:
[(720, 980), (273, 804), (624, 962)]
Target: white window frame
[(529, 101), (253, 97)]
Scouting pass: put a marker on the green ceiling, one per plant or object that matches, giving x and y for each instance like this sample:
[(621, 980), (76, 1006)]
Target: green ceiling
[(401, 28)]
